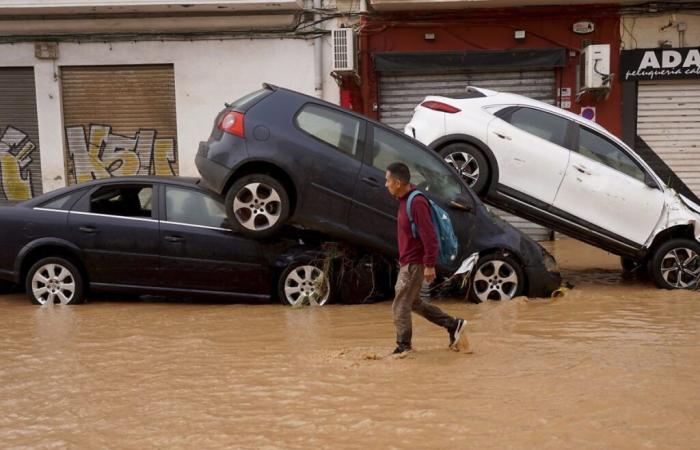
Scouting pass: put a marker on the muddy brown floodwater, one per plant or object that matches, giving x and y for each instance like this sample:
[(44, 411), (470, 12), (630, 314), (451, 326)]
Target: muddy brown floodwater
[(614, 364)]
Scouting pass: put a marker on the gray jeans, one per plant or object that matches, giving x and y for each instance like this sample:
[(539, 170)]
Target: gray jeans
[(408, 299)]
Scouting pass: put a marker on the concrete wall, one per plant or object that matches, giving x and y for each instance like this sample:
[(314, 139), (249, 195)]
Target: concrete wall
[(207, 74), (646, 31)]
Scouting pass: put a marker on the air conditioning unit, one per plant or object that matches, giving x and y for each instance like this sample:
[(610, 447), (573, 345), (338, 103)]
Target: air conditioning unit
[(343, 50), (594, 68)]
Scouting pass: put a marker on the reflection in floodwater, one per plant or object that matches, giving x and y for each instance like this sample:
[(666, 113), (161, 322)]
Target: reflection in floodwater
[(612, 364)]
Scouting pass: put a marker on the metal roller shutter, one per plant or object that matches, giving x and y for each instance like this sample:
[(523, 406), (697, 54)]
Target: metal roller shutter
[(20, 162), (400, 93), (119, 121), (668, 119)]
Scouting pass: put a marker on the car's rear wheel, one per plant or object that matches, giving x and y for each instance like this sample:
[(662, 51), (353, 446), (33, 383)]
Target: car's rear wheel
[(470, 163), (55, 280), (676, 264), (257, 205), (498, 276), (303, 282)]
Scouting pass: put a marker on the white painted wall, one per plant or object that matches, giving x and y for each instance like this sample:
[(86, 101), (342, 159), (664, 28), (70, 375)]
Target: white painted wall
[(646, 31), (207, 74)]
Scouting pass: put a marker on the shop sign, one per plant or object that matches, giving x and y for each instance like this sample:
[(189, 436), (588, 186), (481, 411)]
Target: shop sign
[(660, 64)]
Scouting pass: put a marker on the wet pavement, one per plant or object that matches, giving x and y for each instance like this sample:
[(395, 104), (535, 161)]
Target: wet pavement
[(613, 364)]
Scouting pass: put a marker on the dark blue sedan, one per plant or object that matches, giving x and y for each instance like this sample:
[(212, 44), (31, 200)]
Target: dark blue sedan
[(149, 235)]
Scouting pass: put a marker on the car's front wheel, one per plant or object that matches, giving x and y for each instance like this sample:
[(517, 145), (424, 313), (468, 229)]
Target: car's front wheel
[(469, 162), (304, 282), (498, 276), (257, 205), (55, 280), (676, 264)]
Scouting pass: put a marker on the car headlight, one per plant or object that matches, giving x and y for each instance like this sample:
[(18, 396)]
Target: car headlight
[(550, 263)]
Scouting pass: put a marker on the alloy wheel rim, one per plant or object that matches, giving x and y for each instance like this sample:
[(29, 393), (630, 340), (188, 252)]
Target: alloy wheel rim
[(495, 280), (257, 206), (680, 268), (53, 283), (466, 165), (306, 284)]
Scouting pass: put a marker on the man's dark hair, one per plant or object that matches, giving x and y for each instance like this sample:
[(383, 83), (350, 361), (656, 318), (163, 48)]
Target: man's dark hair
[(399, 171)]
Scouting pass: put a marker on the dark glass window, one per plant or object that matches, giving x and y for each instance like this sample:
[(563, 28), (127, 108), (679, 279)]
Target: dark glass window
[(541, 124), (332, 127), (194, 208), (427, 172), (127, 201), (249, 100), (598, 148), (60, 203)]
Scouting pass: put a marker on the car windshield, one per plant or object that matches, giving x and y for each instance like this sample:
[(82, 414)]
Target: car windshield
[(427, 173), (249, 100)]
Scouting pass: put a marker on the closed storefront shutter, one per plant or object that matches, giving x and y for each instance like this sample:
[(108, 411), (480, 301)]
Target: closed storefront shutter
[(668, 120), (20, 156), (400, 93), (119, 121)]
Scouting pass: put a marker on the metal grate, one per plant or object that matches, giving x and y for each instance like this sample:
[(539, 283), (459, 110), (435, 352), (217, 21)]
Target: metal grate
[(668, 119), (119, 120), (20, 159)]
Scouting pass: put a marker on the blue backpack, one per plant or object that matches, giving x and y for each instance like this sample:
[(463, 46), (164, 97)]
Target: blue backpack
[(447, 240)]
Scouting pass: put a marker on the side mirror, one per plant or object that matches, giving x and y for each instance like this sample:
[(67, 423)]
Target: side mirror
[(462, 202), (649, 181)]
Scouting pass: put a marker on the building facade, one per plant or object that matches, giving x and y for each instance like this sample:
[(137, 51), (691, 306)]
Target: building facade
[(660, 79), (407, 53), (92, 89)]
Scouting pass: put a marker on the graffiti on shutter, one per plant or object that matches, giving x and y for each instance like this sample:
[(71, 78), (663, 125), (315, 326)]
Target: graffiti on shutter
[(97, 152), (15, 158)]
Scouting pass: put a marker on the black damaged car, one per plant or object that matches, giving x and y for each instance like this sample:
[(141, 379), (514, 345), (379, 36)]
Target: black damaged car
[(278, 156), (151, 236)]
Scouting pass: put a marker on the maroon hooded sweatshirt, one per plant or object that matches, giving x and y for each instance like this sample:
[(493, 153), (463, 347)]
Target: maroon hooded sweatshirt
[(424, 248)]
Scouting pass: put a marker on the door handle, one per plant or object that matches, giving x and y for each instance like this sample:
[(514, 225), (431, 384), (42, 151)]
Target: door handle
[(502, 136), (174, 239), (88, 229), (581, 169), (371, 181)]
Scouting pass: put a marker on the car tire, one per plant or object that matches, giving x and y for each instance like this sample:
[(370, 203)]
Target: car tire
[(676, 264), (471, 164), (55, 280), (497, 276), (257, 205), (304, 282)]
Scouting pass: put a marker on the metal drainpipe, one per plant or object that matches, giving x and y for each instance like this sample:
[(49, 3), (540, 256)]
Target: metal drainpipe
[(318, 55)]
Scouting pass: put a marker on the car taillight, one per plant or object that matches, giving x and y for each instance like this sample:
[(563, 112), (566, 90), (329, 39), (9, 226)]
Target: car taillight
[(232, 123), (439, 106)]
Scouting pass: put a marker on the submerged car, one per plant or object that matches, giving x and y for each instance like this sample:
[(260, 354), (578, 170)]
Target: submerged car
[(278, 156), (149, 235), (565, 172)]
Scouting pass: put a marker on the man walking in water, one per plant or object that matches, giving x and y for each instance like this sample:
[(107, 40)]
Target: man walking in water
[(417, 258)]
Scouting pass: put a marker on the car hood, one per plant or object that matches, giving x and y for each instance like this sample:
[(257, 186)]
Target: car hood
[(495, 232)]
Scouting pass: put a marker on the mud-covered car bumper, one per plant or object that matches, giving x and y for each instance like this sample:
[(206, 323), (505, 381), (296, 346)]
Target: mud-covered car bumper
[(541, 283), (543, 278)]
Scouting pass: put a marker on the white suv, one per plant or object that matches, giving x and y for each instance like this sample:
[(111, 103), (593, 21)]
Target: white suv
[(565, 172)]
